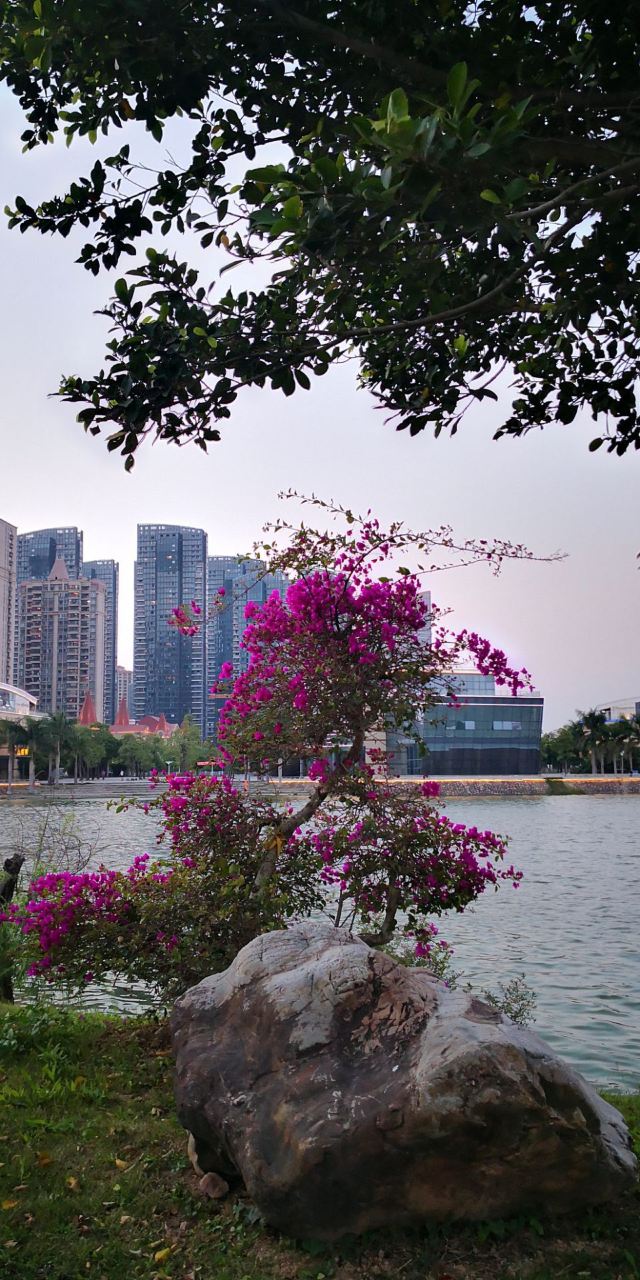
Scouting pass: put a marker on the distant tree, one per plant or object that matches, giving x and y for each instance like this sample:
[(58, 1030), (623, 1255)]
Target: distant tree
[(186, 744), (56, 732), (36, 740), (564, 749), (12, 735), (593, 727), (441, 191), (140, 754), (91, 749), (621, 742)]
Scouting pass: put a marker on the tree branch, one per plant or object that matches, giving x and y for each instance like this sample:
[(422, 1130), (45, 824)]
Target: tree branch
[(559, 199), (338, 39)]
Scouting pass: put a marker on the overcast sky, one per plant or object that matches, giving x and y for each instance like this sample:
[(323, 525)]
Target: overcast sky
[(574, 624)]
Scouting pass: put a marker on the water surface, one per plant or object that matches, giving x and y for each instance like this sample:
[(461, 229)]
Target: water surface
[(571, 928)]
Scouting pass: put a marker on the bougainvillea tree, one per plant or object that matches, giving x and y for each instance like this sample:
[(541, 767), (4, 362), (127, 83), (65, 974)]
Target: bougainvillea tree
[(351, 648)]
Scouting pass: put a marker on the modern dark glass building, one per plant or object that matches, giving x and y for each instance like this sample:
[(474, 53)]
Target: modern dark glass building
[(37, 552), (169, 670), (241, 580), (486, 733), (107, 571)]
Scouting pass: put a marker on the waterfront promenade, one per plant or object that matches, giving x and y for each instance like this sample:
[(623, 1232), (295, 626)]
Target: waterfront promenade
[(516, 785)]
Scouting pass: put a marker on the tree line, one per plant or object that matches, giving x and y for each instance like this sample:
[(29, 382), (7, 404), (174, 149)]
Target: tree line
[(591, 743), (55, 743)]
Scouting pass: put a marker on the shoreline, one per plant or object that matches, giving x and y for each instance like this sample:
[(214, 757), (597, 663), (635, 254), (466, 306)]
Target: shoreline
[(450, 787)]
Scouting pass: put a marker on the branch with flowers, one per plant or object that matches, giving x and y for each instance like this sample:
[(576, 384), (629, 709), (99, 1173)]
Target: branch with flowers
[(351, 647)]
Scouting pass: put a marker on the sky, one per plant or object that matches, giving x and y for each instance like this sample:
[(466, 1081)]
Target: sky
[(574, 623)]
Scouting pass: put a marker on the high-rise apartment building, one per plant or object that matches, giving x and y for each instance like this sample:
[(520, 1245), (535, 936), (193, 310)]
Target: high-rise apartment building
[(36, 553), (124, 689), (8, 535), (169, 669), (241, 581), (107, 571), (60, 651)]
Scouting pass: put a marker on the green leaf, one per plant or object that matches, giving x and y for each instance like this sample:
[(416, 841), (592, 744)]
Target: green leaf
[(121, 289), (293, 207), (456, 83), (490, 196), (397, 107), (461, 344)]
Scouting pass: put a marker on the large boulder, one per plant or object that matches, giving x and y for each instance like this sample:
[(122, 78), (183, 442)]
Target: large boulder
[(348, 1092)]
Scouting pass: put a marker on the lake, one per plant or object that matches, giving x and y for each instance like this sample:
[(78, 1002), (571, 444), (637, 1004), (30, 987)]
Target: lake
[(571, 928)]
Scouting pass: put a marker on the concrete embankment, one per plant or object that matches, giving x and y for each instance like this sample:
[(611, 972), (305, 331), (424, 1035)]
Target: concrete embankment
[(293, 790)]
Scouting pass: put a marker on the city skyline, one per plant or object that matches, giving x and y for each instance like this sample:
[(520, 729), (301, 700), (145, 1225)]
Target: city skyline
[(124, 656)]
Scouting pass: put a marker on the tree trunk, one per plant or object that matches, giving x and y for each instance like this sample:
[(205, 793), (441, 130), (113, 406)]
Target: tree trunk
[(32, 770), (594, 767), (389, 922), (10, 767), (12, 868)]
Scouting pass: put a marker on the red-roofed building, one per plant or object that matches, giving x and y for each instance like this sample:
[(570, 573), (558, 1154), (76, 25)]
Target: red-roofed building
[(88, 715), (148, 725)]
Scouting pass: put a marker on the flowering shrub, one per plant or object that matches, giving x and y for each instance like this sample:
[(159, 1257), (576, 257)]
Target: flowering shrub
[(393, 860), (352, 647), (168, 922)]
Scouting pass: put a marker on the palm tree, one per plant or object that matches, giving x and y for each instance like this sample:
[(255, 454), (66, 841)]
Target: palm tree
[(593, 726), (34, 738), (14, 735), (633, 742), (56, 731)]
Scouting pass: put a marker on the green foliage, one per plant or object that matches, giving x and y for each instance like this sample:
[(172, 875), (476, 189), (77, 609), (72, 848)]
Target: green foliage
[(171, 922), (437, 176), (186, 745), (139, 754), (593, 744)]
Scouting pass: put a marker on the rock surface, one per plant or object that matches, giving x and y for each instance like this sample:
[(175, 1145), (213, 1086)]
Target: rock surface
[(349, 1092)]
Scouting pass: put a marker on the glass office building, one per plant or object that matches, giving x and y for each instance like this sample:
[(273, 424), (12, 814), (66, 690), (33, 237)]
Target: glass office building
[(241, 581), (107, 571), (169, 669), (486, 733)]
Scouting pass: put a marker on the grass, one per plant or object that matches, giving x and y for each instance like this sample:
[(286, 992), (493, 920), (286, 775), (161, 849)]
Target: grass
[(95, 1181)]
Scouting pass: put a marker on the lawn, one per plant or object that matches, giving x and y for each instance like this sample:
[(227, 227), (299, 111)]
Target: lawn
[(95, 1181)]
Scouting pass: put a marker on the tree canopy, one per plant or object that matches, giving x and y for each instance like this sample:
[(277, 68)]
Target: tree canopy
[(440, 190)]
